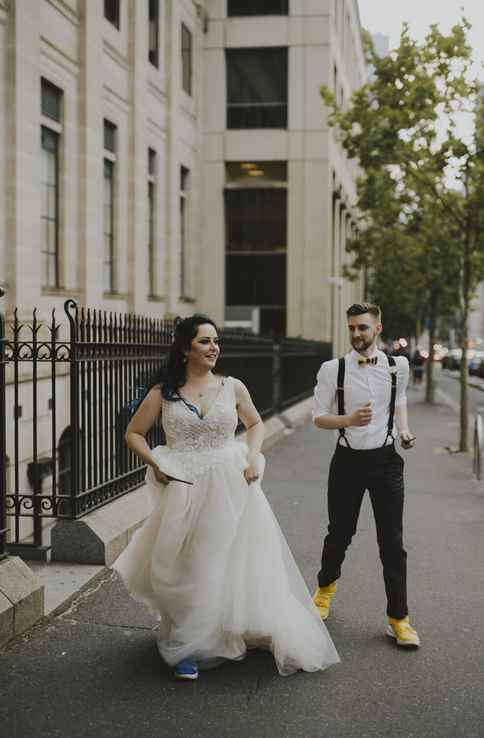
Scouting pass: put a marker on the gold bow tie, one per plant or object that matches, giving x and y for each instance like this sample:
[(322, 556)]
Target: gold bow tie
[(368, 360)]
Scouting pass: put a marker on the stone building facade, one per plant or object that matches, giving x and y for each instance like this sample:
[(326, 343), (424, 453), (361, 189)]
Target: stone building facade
[(161, 156), (264, 116)]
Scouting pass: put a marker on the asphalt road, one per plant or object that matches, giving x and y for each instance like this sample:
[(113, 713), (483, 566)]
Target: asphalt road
[(93, 670)]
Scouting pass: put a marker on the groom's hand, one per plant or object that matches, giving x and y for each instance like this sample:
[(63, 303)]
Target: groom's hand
[(407, 440), (362, 416)]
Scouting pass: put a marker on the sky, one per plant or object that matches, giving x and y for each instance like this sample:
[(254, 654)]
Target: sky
[(387, 17)]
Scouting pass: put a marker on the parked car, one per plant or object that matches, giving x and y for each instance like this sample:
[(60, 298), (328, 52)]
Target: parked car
[(452, 359), (480, 369), (474, 362)]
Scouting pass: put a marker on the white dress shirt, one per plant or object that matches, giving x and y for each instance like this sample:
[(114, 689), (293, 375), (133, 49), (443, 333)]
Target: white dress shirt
[(362, 384)]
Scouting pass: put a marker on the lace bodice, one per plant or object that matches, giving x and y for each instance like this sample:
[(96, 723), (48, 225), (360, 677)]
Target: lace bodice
[(185, 430)]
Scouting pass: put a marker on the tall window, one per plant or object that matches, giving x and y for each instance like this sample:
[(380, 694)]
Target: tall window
[(184, 234), (111, 12), (257, 7), (187, 59), (255, 227), (153, 31), (257, 88), (110, 135), (51, 105), (152, 260)]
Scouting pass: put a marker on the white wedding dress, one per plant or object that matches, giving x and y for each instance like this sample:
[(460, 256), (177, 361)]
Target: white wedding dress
[(211, 560)]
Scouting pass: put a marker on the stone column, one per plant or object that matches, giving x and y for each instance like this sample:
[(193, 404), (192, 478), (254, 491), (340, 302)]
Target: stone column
[(343, 290), (172, 173), (4, 28), (91, 239), (296, 239), (212, 265), (23, 233), (138, 159), (336, 288)]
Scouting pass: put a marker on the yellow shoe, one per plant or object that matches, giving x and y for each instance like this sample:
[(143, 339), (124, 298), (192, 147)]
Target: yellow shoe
[(322, 599), (403, 633)]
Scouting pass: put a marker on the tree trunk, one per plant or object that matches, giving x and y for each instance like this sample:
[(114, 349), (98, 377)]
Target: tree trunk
[(464, 400), (466, 299), (430, 385)]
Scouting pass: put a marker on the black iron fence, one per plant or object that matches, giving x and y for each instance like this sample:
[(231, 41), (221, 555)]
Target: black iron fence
[(3, 455), (65, 391)]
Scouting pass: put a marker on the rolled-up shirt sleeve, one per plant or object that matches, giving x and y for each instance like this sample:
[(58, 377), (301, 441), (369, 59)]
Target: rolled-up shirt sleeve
[(325, 390), (402, 380)]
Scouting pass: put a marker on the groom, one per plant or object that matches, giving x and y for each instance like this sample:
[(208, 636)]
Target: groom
[(362, 396)]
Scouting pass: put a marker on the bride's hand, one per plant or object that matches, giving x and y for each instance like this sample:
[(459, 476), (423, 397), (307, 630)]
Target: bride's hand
[(159, 476), (251, 474)]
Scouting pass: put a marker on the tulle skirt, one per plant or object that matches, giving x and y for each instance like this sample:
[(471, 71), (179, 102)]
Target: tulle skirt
[(212, 562)]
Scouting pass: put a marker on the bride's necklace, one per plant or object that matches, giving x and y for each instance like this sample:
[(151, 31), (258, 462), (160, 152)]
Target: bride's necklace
[(205, 391)]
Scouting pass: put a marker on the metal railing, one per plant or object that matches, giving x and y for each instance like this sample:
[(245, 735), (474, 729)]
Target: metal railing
[(65, 390), (3, 431)]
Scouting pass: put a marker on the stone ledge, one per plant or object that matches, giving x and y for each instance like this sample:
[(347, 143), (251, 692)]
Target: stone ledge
[(298, 414), (21, 598), (102, 535)]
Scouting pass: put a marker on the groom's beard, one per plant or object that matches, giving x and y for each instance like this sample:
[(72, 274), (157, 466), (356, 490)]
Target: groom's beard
[(360, 344)]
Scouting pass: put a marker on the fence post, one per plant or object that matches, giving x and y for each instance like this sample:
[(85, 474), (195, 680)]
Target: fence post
[(478, 433), (74, 406), (276, 376), (3, 441)]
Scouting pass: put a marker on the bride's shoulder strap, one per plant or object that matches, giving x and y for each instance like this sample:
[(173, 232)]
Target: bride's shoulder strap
[(229, 382)]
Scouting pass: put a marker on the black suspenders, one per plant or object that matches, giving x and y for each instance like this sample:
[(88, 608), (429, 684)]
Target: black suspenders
[(340, 396), (393, 396)]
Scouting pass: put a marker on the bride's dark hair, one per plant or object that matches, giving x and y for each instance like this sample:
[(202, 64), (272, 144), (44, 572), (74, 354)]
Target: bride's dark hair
[(174, 373)]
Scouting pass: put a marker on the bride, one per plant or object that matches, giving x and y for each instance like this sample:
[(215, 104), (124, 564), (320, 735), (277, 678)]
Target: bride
[(211, 560)]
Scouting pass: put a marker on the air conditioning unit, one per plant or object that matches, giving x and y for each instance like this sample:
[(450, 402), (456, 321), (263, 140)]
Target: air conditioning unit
[(242, 317)]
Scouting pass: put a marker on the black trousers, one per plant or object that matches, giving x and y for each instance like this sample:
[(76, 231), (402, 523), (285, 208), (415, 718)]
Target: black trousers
[(352, 472)]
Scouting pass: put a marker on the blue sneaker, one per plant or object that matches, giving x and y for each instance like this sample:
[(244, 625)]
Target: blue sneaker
[(186, 669)]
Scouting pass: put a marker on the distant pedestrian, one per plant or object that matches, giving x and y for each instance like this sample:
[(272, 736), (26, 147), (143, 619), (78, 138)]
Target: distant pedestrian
[(418, 366), (362, 395), (211, 560)]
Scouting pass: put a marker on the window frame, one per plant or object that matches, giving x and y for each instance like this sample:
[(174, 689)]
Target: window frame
[(184, 214), (46, 252), (51, 127), (154, 33), (112, 12), (109, 164), (277, 256), (186, 44), (232, 13), (152, 192), (254, 109)]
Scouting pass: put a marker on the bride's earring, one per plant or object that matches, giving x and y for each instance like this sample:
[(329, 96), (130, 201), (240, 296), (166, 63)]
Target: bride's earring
[(185, 358)]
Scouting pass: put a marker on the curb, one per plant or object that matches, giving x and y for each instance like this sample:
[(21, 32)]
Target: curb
[(21, 598), (470, 383)]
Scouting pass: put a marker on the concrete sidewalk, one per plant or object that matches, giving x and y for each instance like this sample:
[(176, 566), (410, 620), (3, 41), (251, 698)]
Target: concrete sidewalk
[(93, 669)]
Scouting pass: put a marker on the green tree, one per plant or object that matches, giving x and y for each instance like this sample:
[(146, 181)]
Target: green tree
[(412, 216)]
